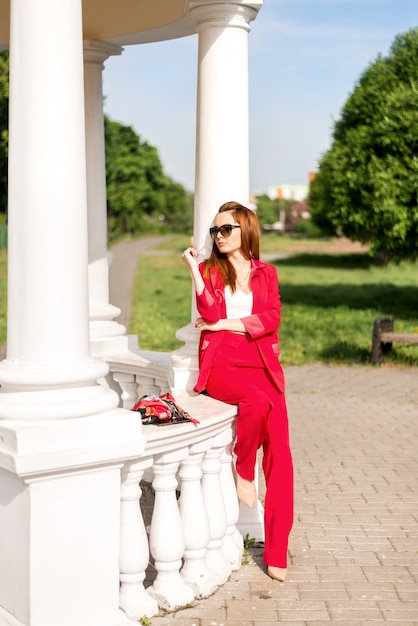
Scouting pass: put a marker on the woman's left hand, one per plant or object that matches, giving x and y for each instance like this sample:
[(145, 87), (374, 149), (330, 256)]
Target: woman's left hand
[(233, 325), (202, 325)]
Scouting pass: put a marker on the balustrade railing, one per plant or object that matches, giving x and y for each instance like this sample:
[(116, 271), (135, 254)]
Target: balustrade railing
[(192, 543)]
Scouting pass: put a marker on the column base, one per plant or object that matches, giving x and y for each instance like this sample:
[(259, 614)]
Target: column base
[(60, 486), (107, 336), (109, 344), (43, 390), (171, 591)]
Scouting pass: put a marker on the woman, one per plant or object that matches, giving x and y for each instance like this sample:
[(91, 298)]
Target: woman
[(238, 299)]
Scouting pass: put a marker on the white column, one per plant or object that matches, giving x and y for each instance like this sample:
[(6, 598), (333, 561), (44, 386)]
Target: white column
[(62, 439), (222, 138), (106, 335), (222, 132), (48, 371)]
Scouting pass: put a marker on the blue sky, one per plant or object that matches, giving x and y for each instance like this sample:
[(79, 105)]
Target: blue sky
[(305, 57)]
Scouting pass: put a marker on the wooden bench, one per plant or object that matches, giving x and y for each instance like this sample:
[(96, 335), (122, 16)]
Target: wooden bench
[(384, 337)]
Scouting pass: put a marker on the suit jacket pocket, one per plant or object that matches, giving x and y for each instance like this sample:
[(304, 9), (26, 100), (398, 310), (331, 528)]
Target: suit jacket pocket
[(205, 344)]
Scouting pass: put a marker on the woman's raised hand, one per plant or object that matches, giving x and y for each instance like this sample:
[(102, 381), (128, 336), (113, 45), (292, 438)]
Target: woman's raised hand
[(189, 257)]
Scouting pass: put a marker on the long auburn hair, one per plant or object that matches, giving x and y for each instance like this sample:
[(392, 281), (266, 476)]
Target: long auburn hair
[(250, 243)]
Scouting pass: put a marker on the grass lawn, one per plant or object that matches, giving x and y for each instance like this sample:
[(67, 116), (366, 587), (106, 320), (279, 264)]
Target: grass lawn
[(329, 301), (3, 295)]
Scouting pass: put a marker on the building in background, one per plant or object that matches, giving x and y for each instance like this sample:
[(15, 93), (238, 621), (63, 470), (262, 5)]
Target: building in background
[(298, 193)]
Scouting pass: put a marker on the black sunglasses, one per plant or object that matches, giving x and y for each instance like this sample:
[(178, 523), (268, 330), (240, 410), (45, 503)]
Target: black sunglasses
[(225, 230)]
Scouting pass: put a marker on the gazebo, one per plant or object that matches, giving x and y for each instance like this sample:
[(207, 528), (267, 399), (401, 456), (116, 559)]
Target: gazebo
[(73, 545)]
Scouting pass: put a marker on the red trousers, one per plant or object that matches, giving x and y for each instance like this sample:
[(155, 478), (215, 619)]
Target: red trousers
[(262, 421)]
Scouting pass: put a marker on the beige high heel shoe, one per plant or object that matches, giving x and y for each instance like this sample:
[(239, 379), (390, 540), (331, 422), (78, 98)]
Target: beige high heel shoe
[(246, 491), (277, 573)]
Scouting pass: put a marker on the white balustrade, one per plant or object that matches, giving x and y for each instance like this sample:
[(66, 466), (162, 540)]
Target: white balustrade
[(137, 375), (215, 507), (195, 523), (148, 386), (128, 388), (167, 543), (193, 540), (134, 550), (232, 547)]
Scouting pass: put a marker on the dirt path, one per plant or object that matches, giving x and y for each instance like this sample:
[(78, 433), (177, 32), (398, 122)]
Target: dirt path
[(337, 245), (124, 260)]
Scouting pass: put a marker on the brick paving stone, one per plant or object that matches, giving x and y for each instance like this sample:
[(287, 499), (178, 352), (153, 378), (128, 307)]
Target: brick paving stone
[(381, 591), (407, 592), (349, 622), (211, 622), (300, 614), (358, 558), (387, 573), (197, 612), (263, 611), (319, 559), (234, 591), (286, 593), (391, 605), (364, 543), (401, 616), (282, 623), (360, 607), (306, 574), (177, 619), (398, 558)]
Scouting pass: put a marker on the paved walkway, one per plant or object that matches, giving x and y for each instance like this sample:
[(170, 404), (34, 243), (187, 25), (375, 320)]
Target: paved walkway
[(354, 545), (124, 258)]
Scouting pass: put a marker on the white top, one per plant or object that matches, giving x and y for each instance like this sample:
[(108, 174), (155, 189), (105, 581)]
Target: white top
[(238, 304)]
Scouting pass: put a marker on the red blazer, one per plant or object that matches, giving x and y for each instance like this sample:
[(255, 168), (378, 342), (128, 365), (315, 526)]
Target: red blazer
[(262, 325)]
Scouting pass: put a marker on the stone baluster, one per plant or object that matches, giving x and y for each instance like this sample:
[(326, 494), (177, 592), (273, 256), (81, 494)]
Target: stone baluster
[(166, 537), (215, 507), (162, 382), (195, 523), (232, 547), (147, 385), (134, 550), (128, 388)]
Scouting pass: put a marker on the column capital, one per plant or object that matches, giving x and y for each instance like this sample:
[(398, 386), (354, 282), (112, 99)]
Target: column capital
[(213, 13), (97, 52)]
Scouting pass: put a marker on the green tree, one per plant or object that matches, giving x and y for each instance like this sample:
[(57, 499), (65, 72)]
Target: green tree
[(367, 184), (268, 211), (140, 196)]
